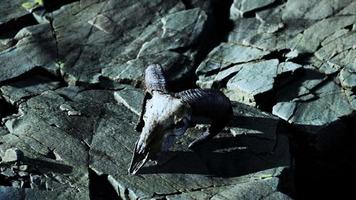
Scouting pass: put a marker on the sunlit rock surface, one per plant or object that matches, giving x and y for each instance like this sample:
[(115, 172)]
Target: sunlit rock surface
[(71, 92)]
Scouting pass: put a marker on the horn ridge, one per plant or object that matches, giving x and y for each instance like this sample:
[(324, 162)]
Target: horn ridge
[(155, 79)]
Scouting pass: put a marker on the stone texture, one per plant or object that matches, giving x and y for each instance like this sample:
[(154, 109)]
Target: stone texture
[(71, 92), (243, 6), (11, 10), (227, 54), (35, 47)]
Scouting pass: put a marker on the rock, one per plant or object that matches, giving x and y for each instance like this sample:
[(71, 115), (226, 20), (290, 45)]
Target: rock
[(316, 114), (227, 54), (28, 54), (132, 71), (8, 172), (119, 38), (244, 6), (180, 29), (262, 185), (28, 87), (11, 10), (68, 136), (253, 79), (313, 10), (320, 31), (132, 98), (348, 77), (12, 155)]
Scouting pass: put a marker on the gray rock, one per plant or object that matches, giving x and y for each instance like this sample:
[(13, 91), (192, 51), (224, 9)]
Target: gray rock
[(320, 31), (12, 155), (316, 114), (253, 79), (227, 54), (36, 48), (11, 10), (132, 98), (263, 185), (8, 172), (348, 77), (179, 29), (314, 9), (132, 71), (44, 127), (120, 38), (243, 6), (25, 88)]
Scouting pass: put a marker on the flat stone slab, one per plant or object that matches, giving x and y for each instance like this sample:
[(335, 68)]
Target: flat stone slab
[(244, 6)]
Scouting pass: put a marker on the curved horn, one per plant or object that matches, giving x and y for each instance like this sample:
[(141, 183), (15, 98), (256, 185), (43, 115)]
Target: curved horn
[(204, 98), (154, 79)]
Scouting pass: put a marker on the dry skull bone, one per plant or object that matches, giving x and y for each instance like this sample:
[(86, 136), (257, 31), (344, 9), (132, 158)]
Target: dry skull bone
[(166, 115)]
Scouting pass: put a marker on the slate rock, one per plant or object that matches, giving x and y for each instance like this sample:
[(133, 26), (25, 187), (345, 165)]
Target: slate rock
[(263, 185), (44, 127), (253, 79), (348, 77), (11, 10), (28, 87), (179, 30), (132, 98), (119, 38), (227, 54), (314, 9), (320, 31), (244, 6), (36, 47), (12, 155), (331, 104)]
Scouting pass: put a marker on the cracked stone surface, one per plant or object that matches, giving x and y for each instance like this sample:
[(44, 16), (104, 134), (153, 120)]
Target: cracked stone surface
[(71, 92)]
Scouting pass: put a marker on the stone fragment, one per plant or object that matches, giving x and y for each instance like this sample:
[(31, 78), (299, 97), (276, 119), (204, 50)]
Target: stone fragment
[(331, 104), (8, 172), (254, 79), (103, 23), (227, 54), (132, 98), (313, 9), (244, 6), (28, 87), (12, 155), (36, 48), (312, 37), (180, 29), (288, 67), (11, 10), (118, 37), (347, 76)]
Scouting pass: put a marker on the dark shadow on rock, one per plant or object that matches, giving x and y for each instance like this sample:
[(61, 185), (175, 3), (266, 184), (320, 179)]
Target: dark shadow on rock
[(10, 28), (224, 157), (100, 188), (45, 166), (35, 76), (287, 86), (325, 162)]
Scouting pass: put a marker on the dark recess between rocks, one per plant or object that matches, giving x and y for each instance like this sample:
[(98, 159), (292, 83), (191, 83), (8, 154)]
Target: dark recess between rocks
[(100, 188)]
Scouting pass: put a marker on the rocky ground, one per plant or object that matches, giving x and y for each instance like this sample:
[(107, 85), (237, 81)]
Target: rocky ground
[(71, 91)]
